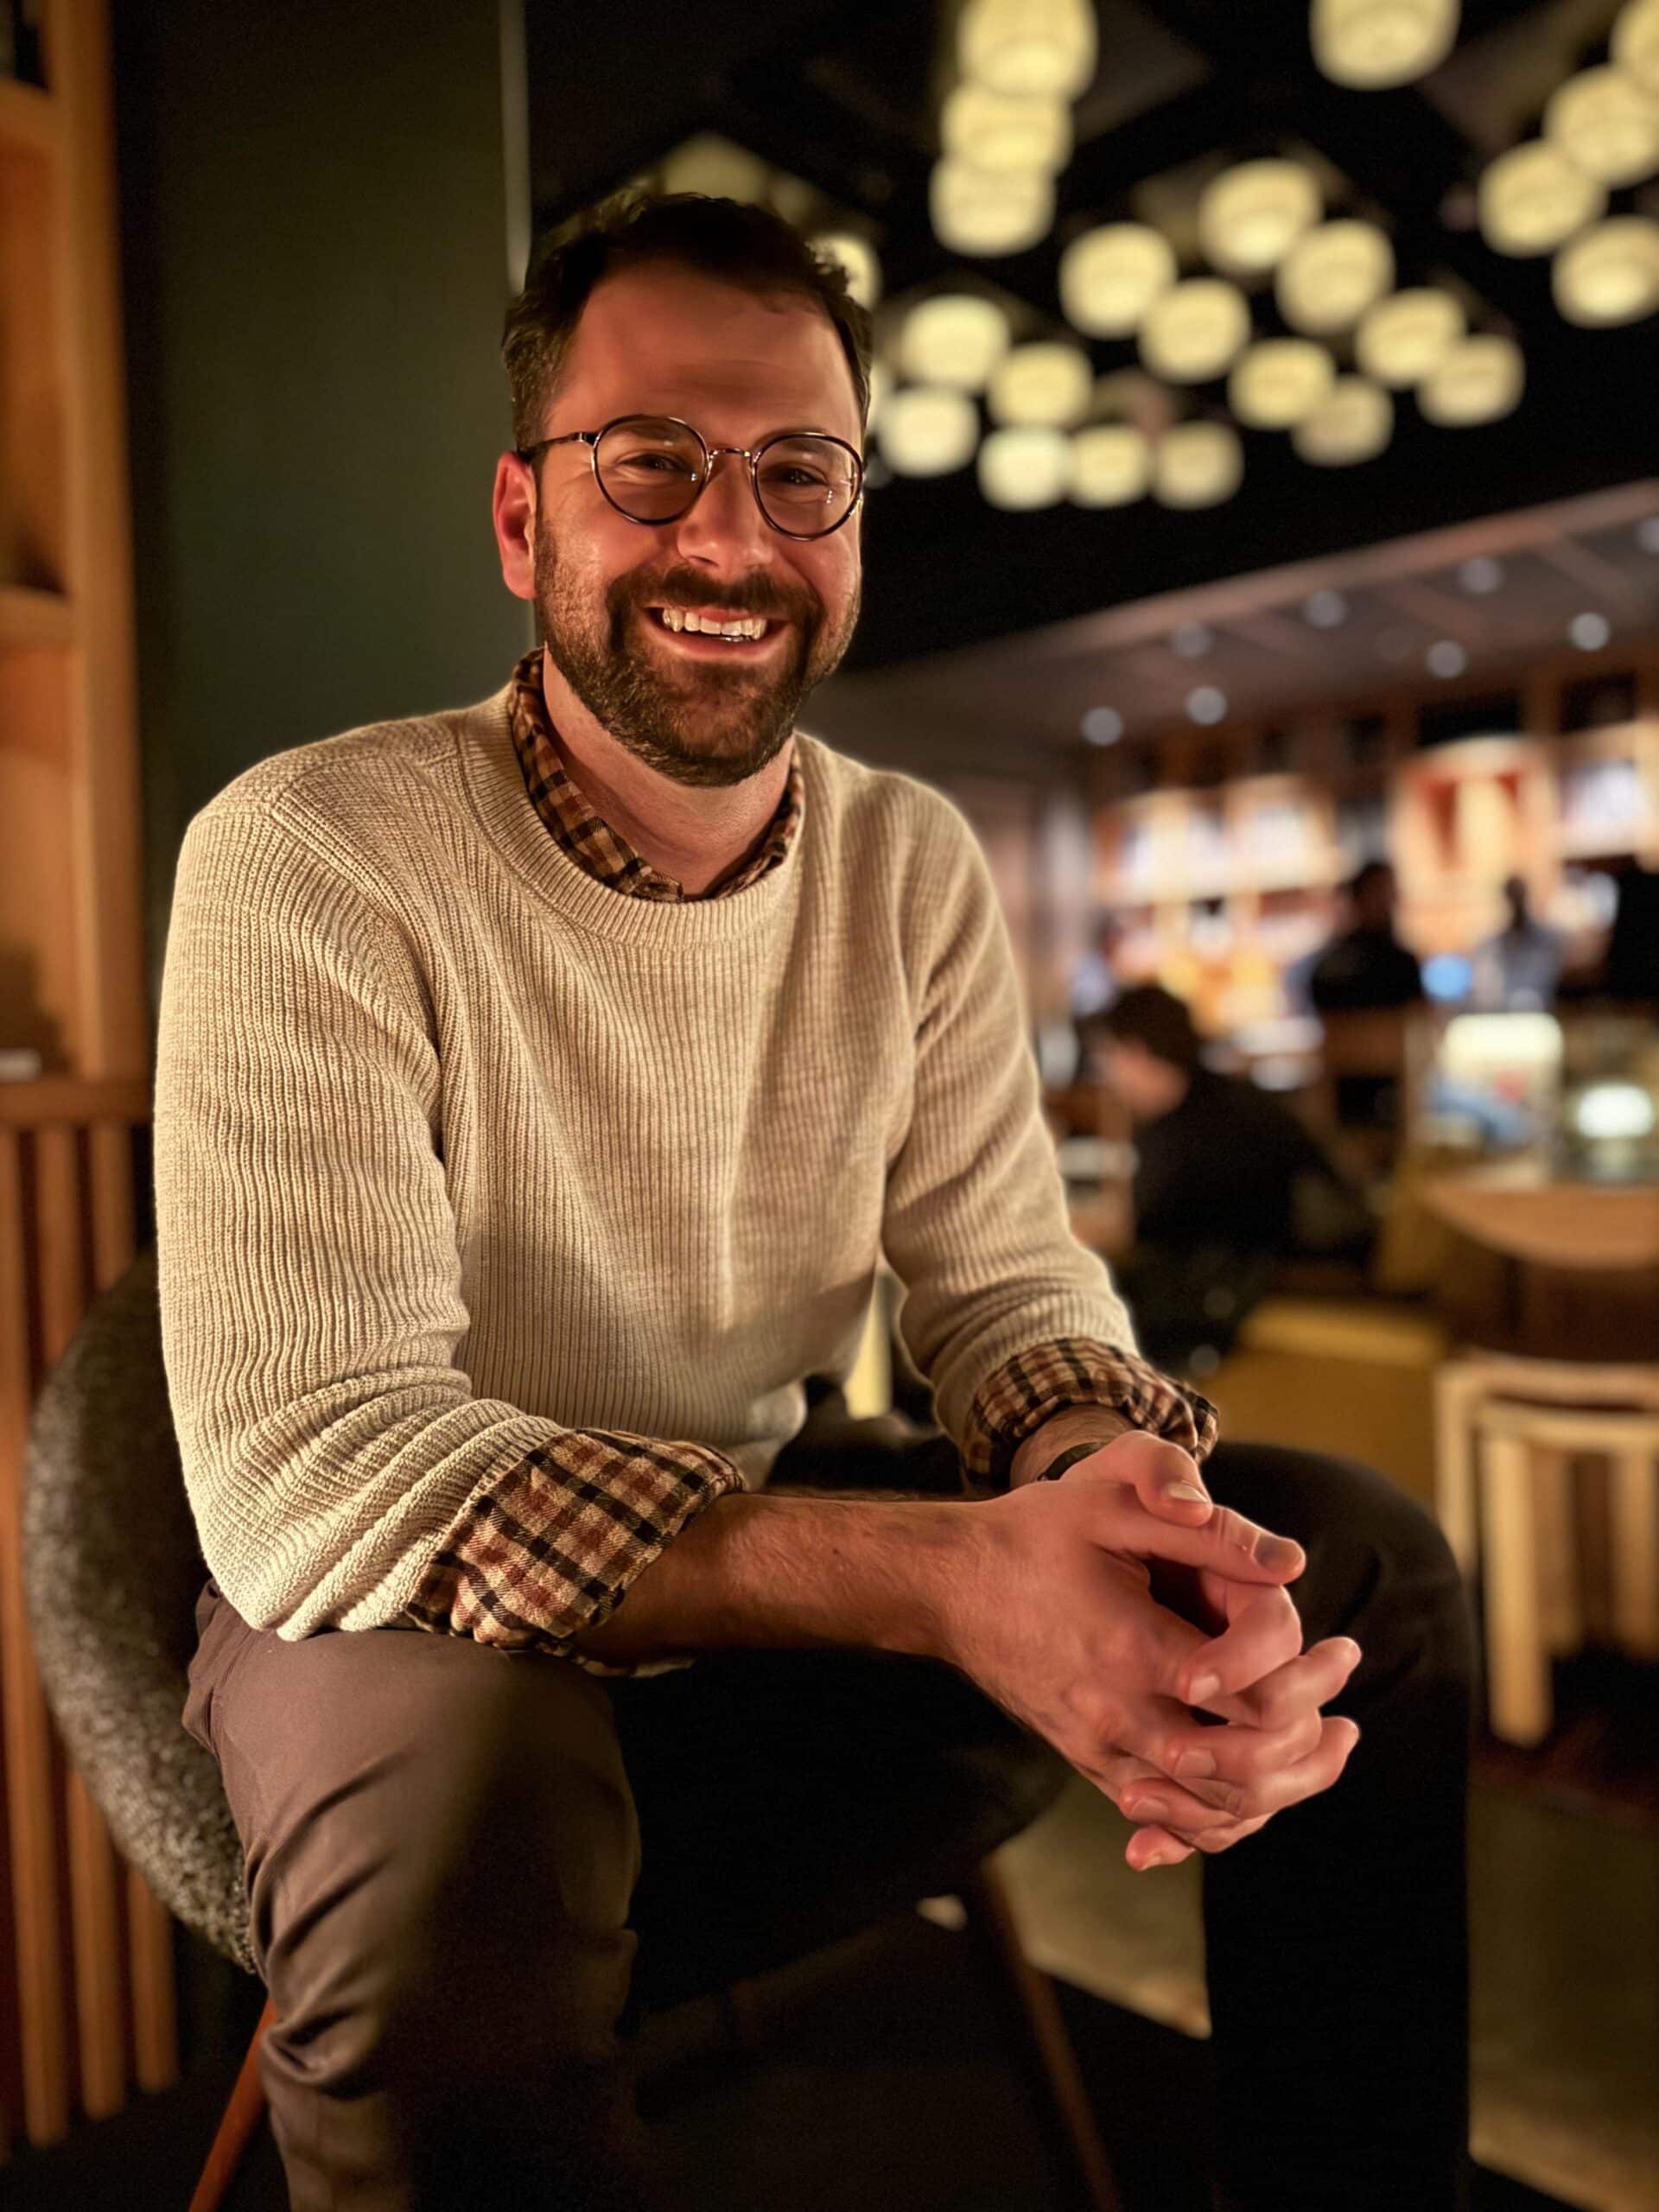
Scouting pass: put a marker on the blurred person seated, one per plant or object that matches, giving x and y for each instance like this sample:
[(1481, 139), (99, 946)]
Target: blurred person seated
[(1518, 969), (1227, 1182)]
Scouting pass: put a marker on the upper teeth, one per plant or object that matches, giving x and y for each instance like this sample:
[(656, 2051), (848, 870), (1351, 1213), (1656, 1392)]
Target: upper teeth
[(753, 626)]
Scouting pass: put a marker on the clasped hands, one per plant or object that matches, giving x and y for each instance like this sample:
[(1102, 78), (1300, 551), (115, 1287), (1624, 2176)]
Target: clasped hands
[(1109, 1614)]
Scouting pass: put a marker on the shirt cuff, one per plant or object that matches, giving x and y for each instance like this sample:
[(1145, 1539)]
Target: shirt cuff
[(551, 1548), (1037, 1383)]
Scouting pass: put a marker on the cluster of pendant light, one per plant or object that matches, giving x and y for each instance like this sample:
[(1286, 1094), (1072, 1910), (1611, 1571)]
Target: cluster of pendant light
[(1549, 195)]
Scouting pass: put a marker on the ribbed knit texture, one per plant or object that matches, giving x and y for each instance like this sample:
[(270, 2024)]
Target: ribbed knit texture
[(458, 1150)]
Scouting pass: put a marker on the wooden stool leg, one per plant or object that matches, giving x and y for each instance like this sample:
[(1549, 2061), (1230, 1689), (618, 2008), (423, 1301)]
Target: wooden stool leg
[(1558, 1550), (1518, 1666), (1045, 2048), (1636, 1551), (1455, 1465), (242, 2116)]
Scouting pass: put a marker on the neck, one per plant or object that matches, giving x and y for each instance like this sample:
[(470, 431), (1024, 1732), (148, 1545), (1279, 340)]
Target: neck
[(694, 833)]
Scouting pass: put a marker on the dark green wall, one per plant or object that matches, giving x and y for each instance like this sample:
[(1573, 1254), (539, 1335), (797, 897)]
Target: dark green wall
[(314, 219)]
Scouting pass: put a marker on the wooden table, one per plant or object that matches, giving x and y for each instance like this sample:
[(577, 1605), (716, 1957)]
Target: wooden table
[(1522, 1211)]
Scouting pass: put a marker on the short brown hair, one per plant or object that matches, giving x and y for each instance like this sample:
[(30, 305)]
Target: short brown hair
[(1150, 1016), (730, 239)]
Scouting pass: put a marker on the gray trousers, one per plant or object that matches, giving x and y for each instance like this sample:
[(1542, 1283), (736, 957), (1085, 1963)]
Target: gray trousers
[(471, 1873)]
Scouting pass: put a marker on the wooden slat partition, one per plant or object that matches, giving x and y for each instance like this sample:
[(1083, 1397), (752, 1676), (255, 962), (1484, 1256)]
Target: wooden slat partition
[(66, 1232)]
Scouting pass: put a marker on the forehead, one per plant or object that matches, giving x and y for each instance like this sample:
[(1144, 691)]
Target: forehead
[(659, 339)]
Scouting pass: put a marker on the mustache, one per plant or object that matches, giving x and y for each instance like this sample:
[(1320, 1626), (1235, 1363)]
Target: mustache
[(685, 589)]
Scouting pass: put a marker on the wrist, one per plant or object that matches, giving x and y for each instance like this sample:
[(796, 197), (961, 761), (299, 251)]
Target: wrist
[(1070, 1426)]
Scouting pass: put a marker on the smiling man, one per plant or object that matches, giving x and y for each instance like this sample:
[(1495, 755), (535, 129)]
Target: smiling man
[(537, 1085)]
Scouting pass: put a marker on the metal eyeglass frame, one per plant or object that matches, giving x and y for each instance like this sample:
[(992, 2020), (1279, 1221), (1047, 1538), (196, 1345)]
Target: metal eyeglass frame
[(530, 455)]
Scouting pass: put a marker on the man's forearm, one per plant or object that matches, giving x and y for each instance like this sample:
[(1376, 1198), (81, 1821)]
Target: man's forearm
[(765, 1573)]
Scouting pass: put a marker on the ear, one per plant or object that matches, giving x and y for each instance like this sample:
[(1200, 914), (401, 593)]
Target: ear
[(513, 510)]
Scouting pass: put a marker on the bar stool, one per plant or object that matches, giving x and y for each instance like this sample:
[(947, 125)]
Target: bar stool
[(1508, 1432)]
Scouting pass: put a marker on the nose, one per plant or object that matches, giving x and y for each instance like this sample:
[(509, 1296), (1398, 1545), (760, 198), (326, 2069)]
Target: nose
[(725, 527)]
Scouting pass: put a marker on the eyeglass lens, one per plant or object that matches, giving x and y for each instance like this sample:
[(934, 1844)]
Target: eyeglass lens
[(653, 468)]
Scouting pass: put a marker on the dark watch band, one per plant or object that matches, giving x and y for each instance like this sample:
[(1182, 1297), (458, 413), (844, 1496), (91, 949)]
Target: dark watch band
[(1057, 1466)]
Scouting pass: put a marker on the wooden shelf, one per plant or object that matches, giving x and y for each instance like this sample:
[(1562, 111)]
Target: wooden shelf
[(28, 118), (28, 616)]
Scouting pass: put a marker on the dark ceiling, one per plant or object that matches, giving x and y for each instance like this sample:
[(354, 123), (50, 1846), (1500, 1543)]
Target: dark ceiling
[(846, 97)]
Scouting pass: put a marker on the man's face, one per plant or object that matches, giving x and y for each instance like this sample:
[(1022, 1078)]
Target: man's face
[(661, 339)]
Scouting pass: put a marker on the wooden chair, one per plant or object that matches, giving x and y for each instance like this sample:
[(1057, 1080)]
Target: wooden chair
[(112, 1572)]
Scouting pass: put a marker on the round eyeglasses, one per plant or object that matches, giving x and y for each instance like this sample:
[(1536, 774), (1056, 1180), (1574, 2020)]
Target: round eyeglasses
[(654, 467)]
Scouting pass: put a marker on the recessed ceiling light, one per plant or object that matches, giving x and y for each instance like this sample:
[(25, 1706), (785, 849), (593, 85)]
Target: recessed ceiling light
[(1481, 575), (1647, 533), (1207, 704), (1589, 632), (1446, 658), (1102, 725), (1192, 640), (1325, 609)]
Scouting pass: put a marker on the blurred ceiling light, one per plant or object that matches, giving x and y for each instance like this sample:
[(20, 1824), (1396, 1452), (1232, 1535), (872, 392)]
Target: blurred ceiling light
[(1477, 380), (1048, 384), (1198, 465), (1331, 275), (1102, 725), (1607, 123), (1111, 275), (1111, 465), (1403, 336), (1589, 632), (1277, 381), (1249, 215), (928, 431), (1005, 130), (1647, 533), (989, 211), (1192, 640), (955, 338), (1481, 575), (1194, 330), (1636, 41), (1207, 703), (1325, 610), (1026, 467), (1446, 657), (1532, 198), (1373, 43), (1352, 424), (858, 257), (1610, 273), (1029, 46)]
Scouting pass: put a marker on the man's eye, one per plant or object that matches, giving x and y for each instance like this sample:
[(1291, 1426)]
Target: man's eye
[(653, 464)]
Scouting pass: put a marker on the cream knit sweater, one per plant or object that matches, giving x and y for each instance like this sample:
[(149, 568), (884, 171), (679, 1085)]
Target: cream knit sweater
[(458, 1149)]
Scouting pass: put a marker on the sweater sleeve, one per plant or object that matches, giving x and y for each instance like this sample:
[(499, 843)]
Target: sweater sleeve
[(974, 1223), (342, 1471)]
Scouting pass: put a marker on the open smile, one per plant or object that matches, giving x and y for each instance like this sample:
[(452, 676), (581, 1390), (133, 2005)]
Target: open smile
[(715, 633)]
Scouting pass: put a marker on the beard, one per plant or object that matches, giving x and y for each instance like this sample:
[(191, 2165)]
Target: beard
[(700, 723)]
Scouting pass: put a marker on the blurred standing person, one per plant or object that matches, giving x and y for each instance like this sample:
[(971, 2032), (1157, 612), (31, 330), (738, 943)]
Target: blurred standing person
[(1519, 967), (1367, 967)]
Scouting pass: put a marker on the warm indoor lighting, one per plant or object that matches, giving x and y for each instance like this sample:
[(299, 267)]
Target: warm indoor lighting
[(989, 211), (1102, 725), (1373, 43), (1198, 465), (1194, 330), (927, 431), (1589, 631), (1478, 380), (1207, 704), (1403, 336), (1613, 1112), (1636, 41), (1610, 273), (1029, 46), (1025, 468), (1331, 275), (1607, 123), (1045, 384), (1249, 215), (1353, 422), (955, 338), (1110, 275), (1277, 381), (1533, 197), (857, 256), (1111, 465), (1005, 130)]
